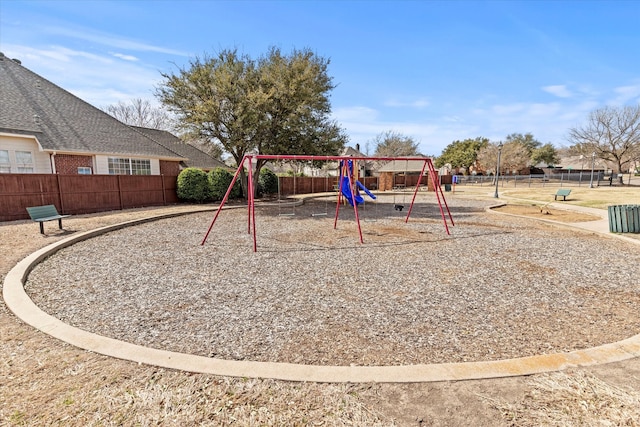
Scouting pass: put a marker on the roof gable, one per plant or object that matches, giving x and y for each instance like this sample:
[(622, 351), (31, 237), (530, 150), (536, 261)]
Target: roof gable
[(404, 165), (196, 157)]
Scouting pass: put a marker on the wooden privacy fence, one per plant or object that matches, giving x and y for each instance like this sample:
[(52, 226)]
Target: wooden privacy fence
[(306, 184), (79, 194)]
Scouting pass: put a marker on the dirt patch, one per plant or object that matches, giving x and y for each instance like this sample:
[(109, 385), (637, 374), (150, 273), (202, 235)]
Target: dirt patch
[(544, 212)]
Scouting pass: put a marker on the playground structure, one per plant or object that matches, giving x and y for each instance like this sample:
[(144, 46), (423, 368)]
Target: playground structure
[(348, 187)]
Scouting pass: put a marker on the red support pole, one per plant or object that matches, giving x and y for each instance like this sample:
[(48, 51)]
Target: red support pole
[(415, 193), (224, 200), (438, 191), (252, 204), (443, 198), (249, 195), (344, 167), (341, 177), (353, 200)]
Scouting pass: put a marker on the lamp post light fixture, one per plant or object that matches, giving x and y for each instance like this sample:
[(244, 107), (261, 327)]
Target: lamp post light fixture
[(593, 164), (498, 170)]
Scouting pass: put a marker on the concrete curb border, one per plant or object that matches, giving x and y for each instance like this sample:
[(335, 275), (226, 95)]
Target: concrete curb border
[(24, 308)]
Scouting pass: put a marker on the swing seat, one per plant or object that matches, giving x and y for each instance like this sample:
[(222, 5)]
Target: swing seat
[(398, 207)]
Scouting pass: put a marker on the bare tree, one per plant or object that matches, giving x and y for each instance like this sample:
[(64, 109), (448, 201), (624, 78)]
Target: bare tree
[(391, 144), (140, 112), (612, 133), (514, 156)]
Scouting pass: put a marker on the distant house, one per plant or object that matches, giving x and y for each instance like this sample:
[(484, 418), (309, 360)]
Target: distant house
[(45, 129), (396, 173)]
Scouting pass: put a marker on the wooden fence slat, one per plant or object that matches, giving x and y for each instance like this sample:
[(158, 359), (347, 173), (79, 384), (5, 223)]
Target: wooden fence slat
[(80, 194)]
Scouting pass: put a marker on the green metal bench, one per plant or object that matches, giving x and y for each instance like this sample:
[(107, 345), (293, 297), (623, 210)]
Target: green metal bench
[(564, 192), (45, 213)]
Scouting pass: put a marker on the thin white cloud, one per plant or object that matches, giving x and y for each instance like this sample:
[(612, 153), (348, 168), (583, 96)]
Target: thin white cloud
[(355, 113), (111, 40), (363, 124), (508, 109), (99, 80), (560, 91), (125, 57), (52, 54), (544, 110), (625, 94), (418, 103)]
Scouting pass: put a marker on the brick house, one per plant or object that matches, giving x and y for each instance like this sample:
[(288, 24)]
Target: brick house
[(46, 130)]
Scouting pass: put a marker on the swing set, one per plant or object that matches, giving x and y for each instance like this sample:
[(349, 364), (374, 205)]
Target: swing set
[(348, 187)]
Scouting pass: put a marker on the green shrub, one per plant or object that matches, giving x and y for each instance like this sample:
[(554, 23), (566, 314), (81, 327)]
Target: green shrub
[(193, 186), (219, 180), (268, 182)]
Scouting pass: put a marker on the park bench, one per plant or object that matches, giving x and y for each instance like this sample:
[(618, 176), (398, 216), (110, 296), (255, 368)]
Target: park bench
[(564, 192), (45, 213)]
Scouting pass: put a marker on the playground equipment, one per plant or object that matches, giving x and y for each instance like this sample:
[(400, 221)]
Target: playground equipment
[(349, 188)]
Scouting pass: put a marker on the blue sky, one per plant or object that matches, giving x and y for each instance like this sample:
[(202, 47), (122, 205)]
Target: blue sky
[(436, 71)]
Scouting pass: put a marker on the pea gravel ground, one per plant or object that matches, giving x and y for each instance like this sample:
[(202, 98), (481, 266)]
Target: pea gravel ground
[(496, 287)]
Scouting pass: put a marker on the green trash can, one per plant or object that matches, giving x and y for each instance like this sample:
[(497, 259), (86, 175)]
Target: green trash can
[(624, 218), (447, 187)]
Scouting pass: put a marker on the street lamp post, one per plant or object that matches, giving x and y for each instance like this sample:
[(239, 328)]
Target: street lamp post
[(593, 164), (498, 170), (581, 168)]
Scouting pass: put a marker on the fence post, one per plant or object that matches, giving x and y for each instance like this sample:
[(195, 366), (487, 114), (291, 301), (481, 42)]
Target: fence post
[(119, 191), (164, 191), (42, 192), (60, 194)]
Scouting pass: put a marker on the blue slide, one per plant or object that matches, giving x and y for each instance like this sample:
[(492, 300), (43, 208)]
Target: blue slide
[(346, 191), (366, 190)]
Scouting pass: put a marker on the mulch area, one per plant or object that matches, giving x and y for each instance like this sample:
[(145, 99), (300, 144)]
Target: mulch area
[(496, 287)]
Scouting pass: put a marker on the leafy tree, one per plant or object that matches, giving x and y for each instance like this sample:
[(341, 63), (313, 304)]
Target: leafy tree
[(527, 140), (513, 157), (613, 133), (277, 104), (545, 154), (394, 144), (461, 153), (140, 112)]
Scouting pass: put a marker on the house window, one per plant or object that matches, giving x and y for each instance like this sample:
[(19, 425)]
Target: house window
[(24, 161), (120, 166), (84, 170), (140, 167), (5, 163)]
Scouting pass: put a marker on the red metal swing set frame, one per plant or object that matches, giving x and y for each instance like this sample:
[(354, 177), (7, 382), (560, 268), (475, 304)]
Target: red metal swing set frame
[(251, 222)]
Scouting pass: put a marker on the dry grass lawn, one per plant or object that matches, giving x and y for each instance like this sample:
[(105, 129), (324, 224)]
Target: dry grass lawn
[(46, 382), (541, 211), (597, 197)]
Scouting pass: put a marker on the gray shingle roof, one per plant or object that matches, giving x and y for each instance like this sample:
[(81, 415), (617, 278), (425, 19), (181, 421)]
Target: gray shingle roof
[(403, 166), (196, 157), (32, 105)]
